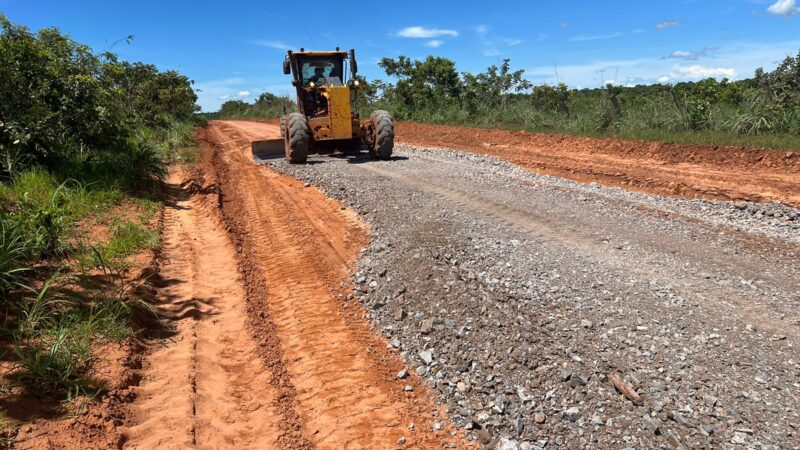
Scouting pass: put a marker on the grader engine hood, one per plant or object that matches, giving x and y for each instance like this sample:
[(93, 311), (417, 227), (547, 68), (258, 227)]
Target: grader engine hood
[(338, 124)]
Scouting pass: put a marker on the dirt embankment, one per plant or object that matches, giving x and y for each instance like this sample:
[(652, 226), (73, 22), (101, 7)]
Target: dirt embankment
[(681, 170)]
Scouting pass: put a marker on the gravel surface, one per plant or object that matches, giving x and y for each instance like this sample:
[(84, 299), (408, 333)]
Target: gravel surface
[(516, 296)]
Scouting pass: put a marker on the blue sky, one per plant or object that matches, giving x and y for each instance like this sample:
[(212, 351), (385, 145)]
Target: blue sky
[(234, 49)]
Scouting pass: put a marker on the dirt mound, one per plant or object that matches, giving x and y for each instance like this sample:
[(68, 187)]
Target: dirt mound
[(693, 171)]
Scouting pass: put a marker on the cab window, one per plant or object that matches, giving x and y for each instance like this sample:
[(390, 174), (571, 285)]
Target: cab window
[(331, 69)]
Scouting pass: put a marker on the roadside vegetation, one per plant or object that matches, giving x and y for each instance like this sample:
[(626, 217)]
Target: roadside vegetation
[(84, 140), (761, 111), (266, 106)]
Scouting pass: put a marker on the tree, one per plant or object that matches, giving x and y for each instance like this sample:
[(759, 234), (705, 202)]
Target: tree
[(422, 84), (233, 108), (496, 84), (783, 83), (58, 99), (551, 98)]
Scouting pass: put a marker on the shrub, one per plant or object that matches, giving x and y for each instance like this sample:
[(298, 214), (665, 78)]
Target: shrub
[(76, 102), (143, 165), (42, 216), (698, 113)]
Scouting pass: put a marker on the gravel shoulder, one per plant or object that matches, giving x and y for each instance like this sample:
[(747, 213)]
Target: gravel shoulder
[(517, 295)]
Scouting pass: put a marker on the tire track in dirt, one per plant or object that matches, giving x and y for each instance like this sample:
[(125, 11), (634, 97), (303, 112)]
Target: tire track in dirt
[(302, 244), (204, 384)]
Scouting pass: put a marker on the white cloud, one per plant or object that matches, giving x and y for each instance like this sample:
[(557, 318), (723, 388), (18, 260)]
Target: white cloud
[(692, 55), (511, 42), (278, 45), (494, 45), (667, 24), (785, 8), (680, 54), (731, 61), (434, 43), (426, 33), (482, 30), (698, 72), (595, 37), (212, 93)]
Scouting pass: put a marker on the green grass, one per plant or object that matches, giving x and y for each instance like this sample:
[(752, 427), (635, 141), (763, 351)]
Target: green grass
[(149, 209), (716, 138), (127, 238), (13, 254), (54, 337), (641, 119), (54, 329), (41, 211), (177, 143), (647, 125)]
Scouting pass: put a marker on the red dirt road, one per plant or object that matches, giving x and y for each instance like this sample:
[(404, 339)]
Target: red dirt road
[(266, 351), (692, 171)]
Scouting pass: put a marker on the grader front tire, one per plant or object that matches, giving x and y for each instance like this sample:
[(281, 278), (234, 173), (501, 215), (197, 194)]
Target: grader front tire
[(383, 129), (297, 138)]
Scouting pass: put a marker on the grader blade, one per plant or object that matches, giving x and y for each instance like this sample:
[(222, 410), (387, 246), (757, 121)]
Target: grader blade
[(269, 149)]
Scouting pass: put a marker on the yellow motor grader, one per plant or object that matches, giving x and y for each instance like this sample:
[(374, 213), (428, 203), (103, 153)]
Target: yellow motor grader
[(326, 117)]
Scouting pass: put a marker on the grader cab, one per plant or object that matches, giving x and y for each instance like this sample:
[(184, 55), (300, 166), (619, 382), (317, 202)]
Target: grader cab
[(326, 117)]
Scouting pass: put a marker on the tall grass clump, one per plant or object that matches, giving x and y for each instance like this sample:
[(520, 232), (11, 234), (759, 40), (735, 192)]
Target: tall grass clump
[(54, 336), (14, 253)]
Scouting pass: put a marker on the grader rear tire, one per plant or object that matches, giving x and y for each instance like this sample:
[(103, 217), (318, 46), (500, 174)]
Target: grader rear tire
[(283, 126), (383, 126), (297, 138)]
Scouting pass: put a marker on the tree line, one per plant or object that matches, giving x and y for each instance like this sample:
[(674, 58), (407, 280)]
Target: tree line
[(433, 90)]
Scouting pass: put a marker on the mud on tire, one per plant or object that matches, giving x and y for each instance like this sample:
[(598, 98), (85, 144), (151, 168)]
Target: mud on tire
[(283, 126), (383, 134), (296, 138)]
